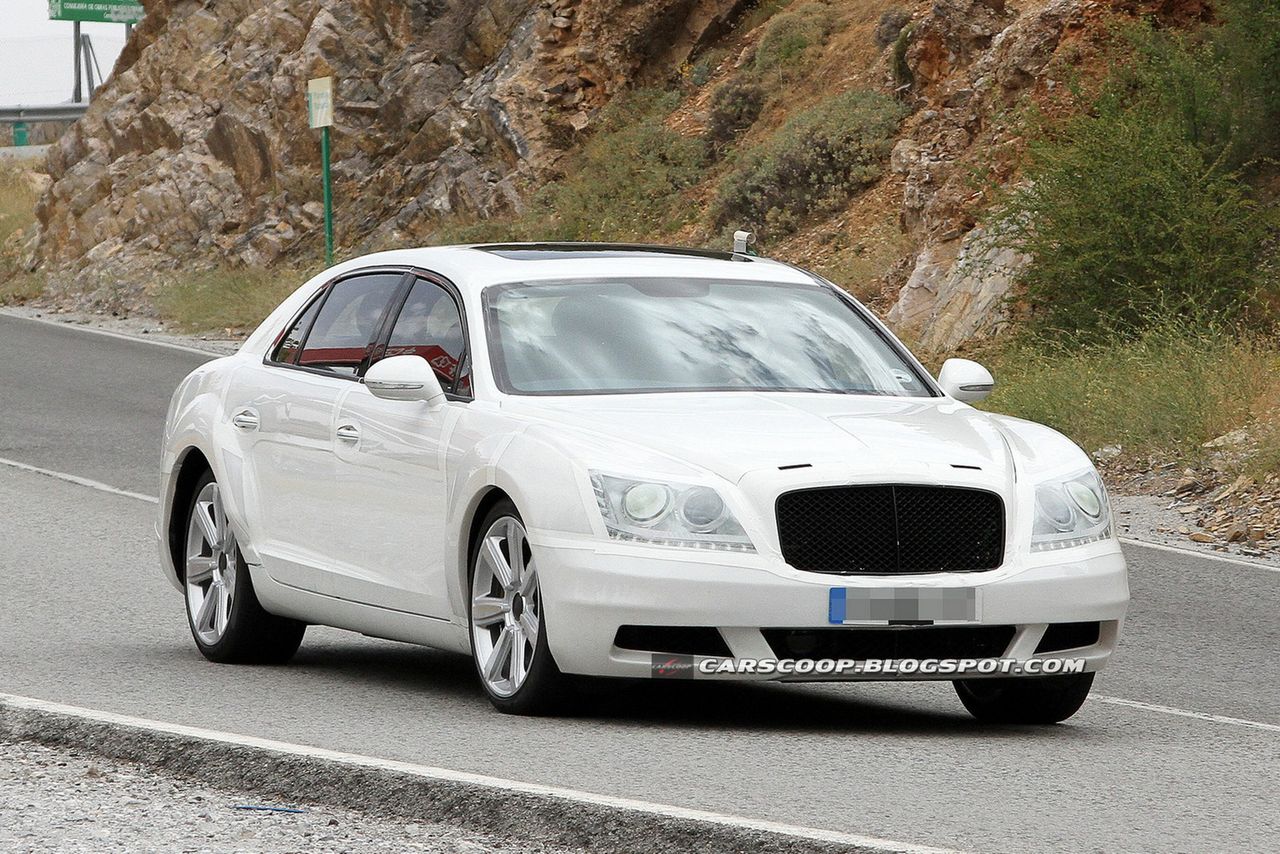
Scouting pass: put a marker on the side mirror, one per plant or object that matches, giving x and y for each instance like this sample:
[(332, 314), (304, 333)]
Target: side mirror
[(965, 380), (404, 378)]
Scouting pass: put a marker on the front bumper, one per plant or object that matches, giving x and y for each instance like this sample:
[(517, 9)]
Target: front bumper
[(591, 588)]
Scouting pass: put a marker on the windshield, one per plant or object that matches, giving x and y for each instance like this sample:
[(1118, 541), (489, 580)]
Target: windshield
[(618, 336)]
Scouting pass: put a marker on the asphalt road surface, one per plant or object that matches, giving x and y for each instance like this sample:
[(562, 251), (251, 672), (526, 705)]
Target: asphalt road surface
[(1178, 750)]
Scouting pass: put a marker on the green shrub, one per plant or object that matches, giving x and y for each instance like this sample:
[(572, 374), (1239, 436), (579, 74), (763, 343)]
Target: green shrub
[(814, 162), (787, 39), (735, 106), (901, 68), (1172, 387), (1248, 48), (1132, 212)]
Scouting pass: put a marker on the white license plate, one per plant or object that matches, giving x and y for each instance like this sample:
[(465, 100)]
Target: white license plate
[(902, 605)]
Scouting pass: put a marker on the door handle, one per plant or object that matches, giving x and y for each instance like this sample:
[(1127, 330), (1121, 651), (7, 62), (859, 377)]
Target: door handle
[(245, 419), (349, 433)]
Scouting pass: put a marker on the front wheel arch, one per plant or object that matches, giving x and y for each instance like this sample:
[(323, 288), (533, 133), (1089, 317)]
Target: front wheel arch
[(191, 466)]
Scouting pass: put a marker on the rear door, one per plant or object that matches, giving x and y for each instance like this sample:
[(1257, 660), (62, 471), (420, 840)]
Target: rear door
[(285, 410), (391, 462)]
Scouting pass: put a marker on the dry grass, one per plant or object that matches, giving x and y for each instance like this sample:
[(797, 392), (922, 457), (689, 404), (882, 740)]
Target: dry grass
[(226, 299), (1166, 392), (18, 194)]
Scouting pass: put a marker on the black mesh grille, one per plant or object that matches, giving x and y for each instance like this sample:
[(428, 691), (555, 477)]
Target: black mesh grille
[(946, 643), (891, 529)]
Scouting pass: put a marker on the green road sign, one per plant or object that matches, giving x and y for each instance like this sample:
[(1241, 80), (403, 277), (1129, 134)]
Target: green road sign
[(103, 11)]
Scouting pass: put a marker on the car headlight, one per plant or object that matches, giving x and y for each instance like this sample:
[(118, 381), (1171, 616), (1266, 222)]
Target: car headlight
[(1070, 512), (671, 514)]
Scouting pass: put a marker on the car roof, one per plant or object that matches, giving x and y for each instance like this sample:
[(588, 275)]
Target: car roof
[(480, 265)]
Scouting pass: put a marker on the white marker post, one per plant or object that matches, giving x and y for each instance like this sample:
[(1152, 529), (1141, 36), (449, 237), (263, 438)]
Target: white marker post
[(320, 115)]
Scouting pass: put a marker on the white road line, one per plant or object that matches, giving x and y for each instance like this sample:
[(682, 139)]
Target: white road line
[(1256, 564), (79, 481), (141, 339), (447, 775), (1185, 713)]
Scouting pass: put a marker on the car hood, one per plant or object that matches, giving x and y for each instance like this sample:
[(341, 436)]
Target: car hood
[(732, 434)]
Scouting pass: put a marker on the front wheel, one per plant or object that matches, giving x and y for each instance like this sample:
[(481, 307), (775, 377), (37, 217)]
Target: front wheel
[(508, 623), (226, 620), (1025, 699)]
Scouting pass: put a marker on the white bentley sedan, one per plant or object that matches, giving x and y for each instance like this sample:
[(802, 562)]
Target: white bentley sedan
[(575, 460)]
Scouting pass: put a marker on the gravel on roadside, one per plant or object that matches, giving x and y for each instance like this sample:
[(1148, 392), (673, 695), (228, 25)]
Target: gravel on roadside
[(68, 800)]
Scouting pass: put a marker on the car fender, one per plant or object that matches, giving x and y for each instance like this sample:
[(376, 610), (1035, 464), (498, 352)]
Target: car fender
[(196, 424)]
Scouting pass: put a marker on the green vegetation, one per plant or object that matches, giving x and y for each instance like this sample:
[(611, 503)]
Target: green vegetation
[(1140, 209), (814, 163), (762, 11), (237, 298), (1170, 388), (787, 39), (1247, 50), (735, 106), (901, 68), (626, 184)]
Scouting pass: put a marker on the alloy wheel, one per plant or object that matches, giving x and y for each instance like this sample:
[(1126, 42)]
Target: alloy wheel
[(211, 559), (506, 607)]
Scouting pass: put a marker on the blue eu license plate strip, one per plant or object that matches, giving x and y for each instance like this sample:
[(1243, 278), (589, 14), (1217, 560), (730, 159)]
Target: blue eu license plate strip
[(902, 604)]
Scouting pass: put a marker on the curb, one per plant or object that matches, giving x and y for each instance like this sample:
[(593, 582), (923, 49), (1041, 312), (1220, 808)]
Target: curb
[(517, 811)]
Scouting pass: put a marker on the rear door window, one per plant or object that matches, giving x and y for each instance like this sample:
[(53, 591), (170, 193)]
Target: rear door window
[(347, 323)]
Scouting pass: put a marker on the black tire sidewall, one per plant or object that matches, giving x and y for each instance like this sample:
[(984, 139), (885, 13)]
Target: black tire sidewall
[(1025, 699)]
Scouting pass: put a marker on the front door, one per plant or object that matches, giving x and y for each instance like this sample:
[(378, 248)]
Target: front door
[(391, 465), (284, 411)]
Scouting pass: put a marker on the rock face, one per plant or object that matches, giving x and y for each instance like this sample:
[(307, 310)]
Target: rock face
[(971, 60), (197, 151)]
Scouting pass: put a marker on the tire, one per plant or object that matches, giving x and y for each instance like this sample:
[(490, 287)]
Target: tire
[(519, 675), (235, 629), (1025, 699)]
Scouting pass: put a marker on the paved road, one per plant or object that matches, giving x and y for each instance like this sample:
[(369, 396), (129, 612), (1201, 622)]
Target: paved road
[(86, 619)]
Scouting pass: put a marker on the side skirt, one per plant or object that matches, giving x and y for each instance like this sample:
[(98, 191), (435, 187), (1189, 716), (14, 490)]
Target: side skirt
[(319, 609)]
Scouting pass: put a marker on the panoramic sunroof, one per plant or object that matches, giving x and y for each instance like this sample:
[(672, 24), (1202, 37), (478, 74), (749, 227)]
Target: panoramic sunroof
[(558, 251)]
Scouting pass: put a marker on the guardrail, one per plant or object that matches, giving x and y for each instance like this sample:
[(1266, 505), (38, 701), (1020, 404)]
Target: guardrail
[(50, 113)]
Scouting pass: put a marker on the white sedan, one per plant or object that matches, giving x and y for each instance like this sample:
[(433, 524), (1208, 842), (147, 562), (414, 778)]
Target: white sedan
[(598, 460)]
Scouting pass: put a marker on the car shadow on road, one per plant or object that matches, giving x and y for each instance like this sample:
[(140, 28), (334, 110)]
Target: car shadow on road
[(441, 677)]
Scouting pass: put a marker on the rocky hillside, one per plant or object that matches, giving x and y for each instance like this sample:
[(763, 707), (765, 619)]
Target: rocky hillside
[(196, 150), (197, 147)]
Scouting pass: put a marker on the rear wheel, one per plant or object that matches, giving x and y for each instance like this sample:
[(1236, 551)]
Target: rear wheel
[(1025, 699), (508, 624), (226, 620)]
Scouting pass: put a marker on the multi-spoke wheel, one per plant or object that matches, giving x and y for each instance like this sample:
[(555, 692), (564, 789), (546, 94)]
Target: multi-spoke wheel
[(227, 622), (508, 626)]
